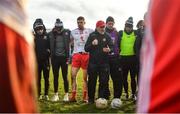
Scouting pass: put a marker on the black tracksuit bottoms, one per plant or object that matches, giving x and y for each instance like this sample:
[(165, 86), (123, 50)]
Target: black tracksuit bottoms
[(95, 70), (57, 62), (138, 70), (43, 66), (129, 63), (116, 76)]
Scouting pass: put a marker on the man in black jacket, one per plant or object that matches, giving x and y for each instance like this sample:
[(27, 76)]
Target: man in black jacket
[(42, 55), (99, 44), (59, 46), (138, 43)]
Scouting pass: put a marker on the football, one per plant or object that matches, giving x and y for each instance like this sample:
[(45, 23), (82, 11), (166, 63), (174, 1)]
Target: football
[(116, 103), (101, 103)]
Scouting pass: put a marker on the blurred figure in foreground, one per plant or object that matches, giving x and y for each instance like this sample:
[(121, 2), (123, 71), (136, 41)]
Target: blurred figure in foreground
[(17, 71), (160, 82)]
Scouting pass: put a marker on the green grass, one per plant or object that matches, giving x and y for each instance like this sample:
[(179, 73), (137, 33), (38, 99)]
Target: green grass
[(79, 106)]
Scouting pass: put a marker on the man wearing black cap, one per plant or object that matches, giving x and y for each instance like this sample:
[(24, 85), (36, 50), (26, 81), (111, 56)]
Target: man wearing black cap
[(42, 55), (114, 61), (128, 58), (59, 47), (99, 45)]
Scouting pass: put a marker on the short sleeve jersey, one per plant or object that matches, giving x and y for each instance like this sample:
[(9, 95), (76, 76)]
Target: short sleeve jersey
[(80, 37)]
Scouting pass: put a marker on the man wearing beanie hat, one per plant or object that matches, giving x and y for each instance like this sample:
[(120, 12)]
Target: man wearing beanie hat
[(114, 61), (128, 58), (99, 45), (59, 47), (42, 55), (37, 22), (58, 25)]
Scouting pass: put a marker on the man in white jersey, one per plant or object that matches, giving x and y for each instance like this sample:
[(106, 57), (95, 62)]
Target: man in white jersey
[(80, 58)]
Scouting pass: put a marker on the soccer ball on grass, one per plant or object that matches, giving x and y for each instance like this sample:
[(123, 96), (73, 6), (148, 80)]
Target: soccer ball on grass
[(116, 103), (101, 103)]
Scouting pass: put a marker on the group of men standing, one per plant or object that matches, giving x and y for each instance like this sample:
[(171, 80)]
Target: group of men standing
[(100, 52), (160, 64)]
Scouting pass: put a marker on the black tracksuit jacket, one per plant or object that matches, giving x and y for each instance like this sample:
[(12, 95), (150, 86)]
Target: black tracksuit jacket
[(97, 56)]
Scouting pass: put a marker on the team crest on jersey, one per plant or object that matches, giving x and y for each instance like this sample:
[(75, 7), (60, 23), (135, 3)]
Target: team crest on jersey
[(76, 33), (45, 37), (104, 39), (66, 33)]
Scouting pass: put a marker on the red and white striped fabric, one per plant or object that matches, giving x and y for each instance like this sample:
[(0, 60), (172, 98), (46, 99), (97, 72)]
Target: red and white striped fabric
[(17, 71), (160, 77)]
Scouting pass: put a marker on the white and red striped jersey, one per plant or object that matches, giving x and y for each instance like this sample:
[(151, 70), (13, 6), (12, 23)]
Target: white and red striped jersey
[(79, 38)]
